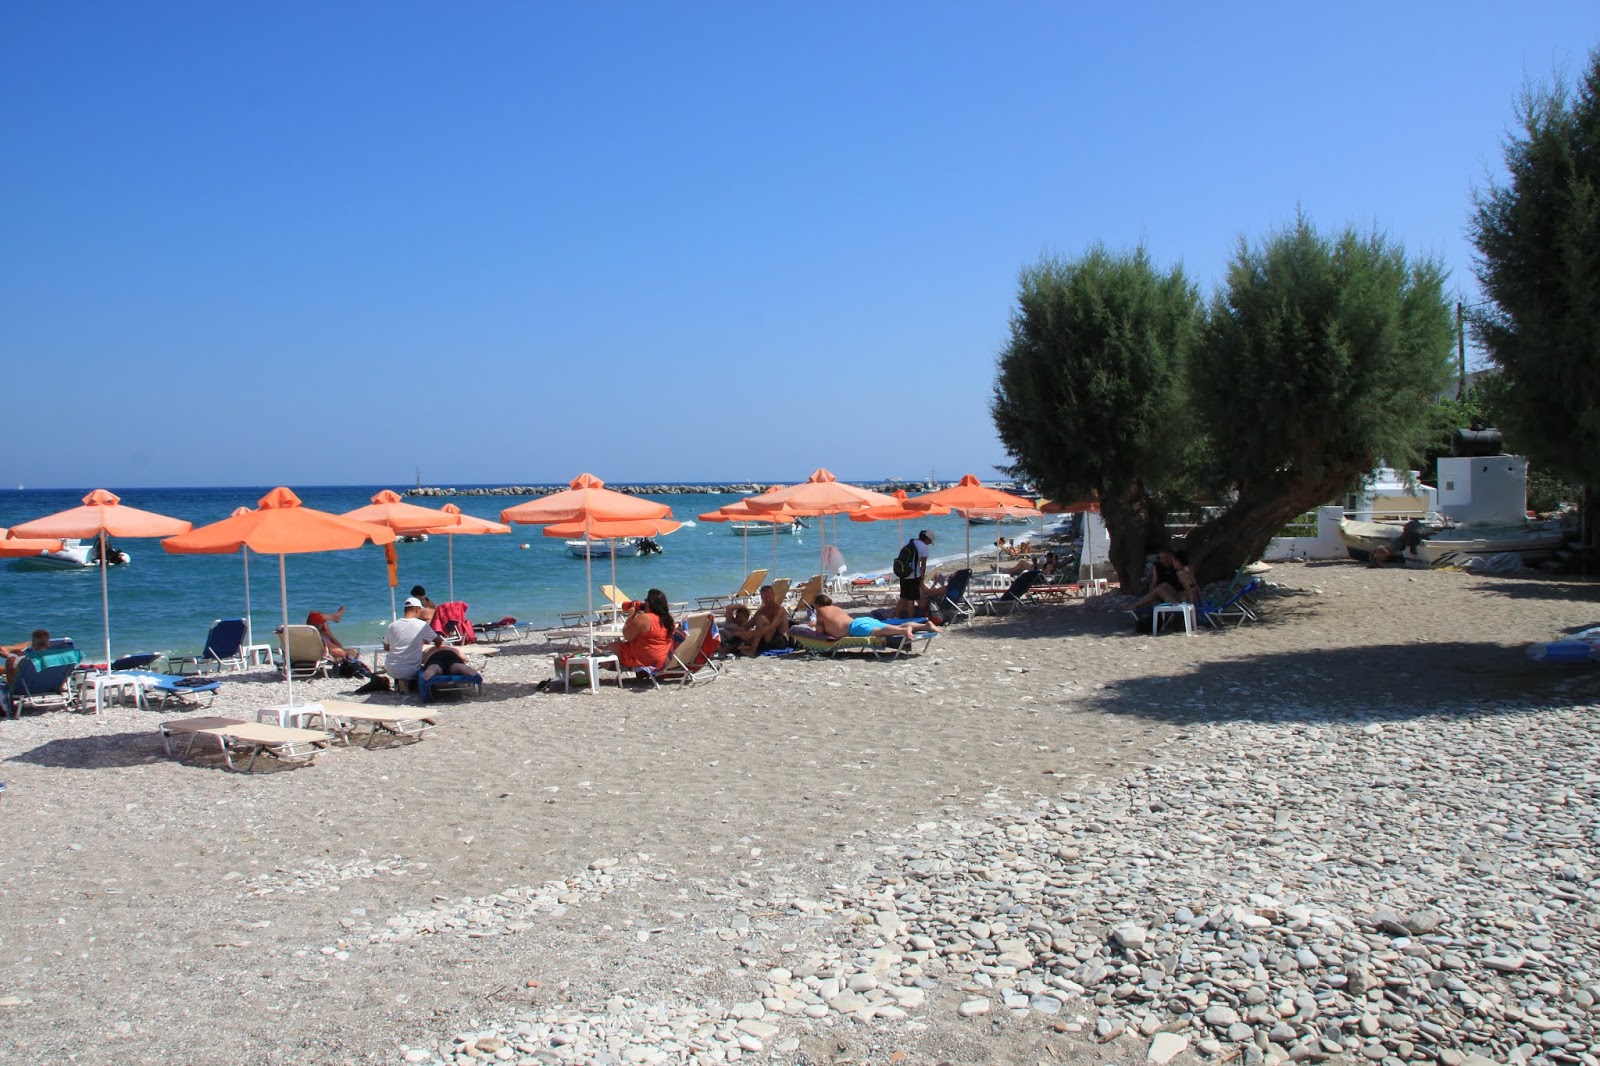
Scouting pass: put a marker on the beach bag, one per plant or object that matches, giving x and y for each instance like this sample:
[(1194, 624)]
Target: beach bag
[(905, 564)]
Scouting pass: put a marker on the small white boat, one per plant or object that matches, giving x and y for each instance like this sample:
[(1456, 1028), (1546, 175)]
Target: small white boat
[(74, 555), (622, 547), (999, 519), (1360, 538), (763, 529)]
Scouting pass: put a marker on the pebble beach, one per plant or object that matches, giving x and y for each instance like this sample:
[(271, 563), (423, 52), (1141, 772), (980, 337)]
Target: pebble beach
[(1363, 829)]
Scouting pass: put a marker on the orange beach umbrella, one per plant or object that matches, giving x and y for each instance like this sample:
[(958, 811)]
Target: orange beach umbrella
[(587, 508), (820, 494), (741, 512), (388, 509), (469, 525), (23, 547), (279, 526), (102, 515), (970, 496), (899, 512)]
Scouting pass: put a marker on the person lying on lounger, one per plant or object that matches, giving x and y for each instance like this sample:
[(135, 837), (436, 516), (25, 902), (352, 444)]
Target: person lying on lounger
[(834, 622), (446, 660)]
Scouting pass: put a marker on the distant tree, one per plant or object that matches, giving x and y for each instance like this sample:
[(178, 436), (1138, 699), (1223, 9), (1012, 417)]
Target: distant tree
[(1538, 243), (1319, 357), (1089, 394)]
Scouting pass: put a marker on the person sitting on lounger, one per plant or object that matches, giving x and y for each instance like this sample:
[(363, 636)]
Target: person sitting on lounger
[(1171, 581), (38, 642), (408, 641), (332, 647), (766, 630), (420, 594), (835, 623), (646, 635)]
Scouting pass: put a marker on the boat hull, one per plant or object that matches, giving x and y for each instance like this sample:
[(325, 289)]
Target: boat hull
[(762, 529), (603, 549), (1533, 542)]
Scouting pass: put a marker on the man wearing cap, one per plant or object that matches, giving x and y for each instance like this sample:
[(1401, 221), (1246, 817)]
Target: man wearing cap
[(407, 640), (911, 584)]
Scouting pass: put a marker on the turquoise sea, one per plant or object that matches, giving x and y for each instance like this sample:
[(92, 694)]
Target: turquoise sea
[(162, 602)]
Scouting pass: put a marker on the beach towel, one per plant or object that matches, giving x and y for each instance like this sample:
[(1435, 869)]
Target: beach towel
[(450, 619)]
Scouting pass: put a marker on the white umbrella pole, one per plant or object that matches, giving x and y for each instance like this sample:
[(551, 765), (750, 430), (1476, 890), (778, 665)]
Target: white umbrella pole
[(744, 535), (613, 564), (105, 600), (774, 552), (968, 520), (588, 587), (392, 615), (450, 551), (283, 596), (249, 630)]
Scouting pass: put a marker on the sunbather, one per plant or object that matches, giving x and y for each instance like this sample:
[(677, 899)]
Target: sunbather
[(39, 641), (331, 644), (646, 635), (1171, 581), (766, 630), (836, 623), (446, 660)]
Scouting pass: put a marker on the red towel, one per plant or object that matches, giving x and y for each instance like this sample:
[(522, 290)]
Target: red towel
[(451, 618)]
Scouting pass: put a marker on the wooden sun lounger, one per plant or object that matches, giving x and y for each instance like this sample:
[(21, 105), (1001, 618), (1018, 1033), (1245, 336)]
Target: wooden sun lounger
[(236, 738), (342, 719)]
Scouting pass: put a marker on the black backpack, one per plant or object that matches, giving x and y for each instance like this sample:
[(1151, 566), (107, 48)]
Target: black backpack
[(905, 564)]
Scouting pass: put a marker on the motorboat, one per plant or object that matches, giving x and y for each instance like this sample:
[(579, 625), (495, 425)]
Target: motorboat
[(998, 519), (412, 538), (764, 529), (1360, 538), (74, 555), (621, 547)]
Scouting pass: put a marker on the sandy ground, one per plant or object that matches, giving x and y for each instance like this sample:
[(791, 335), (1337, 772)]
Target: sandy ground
[(157, 911)]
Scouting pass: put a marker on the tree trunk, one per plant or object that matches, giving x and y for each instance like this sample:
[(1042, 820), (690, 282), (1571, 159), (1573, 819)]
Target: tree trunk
[(1129, 515), (1220, 546)]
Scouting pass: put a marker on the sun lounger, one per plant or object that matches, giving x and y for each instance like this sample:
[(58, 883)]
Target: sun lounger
[(817, 643), (303, 652), (236, 739), (686, 665), (344, 719), (44, 679), (746, 591), (224, 649), (166, 689), (456, 684), (503, 631)]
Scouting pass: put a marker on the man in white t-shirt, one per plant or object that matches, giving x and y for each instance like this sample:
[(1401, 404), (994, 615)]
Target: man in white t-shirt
[(407, 640)]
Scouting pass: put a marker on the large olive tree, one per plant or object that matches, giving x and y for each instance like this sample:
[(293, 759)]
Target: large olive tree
[(1320, 356), (1090, 392), (1538, 242)]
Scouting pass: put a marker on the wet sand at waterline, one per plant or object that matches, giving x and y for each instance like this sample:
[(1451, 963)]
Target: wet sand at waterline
[(656, 842)]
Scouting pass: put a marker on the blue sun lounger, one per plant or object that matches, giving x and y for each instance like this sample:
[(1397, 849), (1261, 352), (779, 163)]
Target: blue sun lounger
[(164, 690)]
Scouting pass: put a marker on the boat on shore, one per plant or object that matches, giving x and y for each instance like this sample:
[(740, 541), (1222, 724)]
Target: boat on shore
[(1534, 541)]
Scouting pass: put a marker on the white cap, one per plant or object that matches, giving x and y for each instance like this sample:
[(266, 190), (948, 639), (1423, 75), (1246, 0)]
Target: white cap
[(412, 601)]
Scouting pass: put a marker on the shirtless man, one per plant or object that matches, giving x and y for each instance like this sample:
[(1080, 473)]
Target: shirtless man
[(834, 622), (39, 641), (768, 628)]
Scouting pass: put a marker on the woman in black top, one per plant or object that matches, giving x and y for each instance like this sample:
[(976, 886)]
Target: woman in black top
[(1171, 581)]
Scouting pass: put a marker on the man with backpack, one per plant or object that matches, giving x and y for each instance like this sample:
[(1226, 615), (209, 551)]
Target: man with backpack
[(910, 566)]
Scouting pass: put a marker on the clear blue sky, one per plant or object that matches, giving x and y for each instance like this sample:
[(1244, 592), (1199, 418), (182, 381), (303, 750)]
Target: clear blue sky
[(327, 243)]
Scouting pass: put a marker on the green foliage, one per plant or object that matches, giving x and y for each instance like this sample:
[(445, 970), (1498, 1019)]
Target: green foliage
[(1089, 394), (1322, 355), (1538, 242)]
